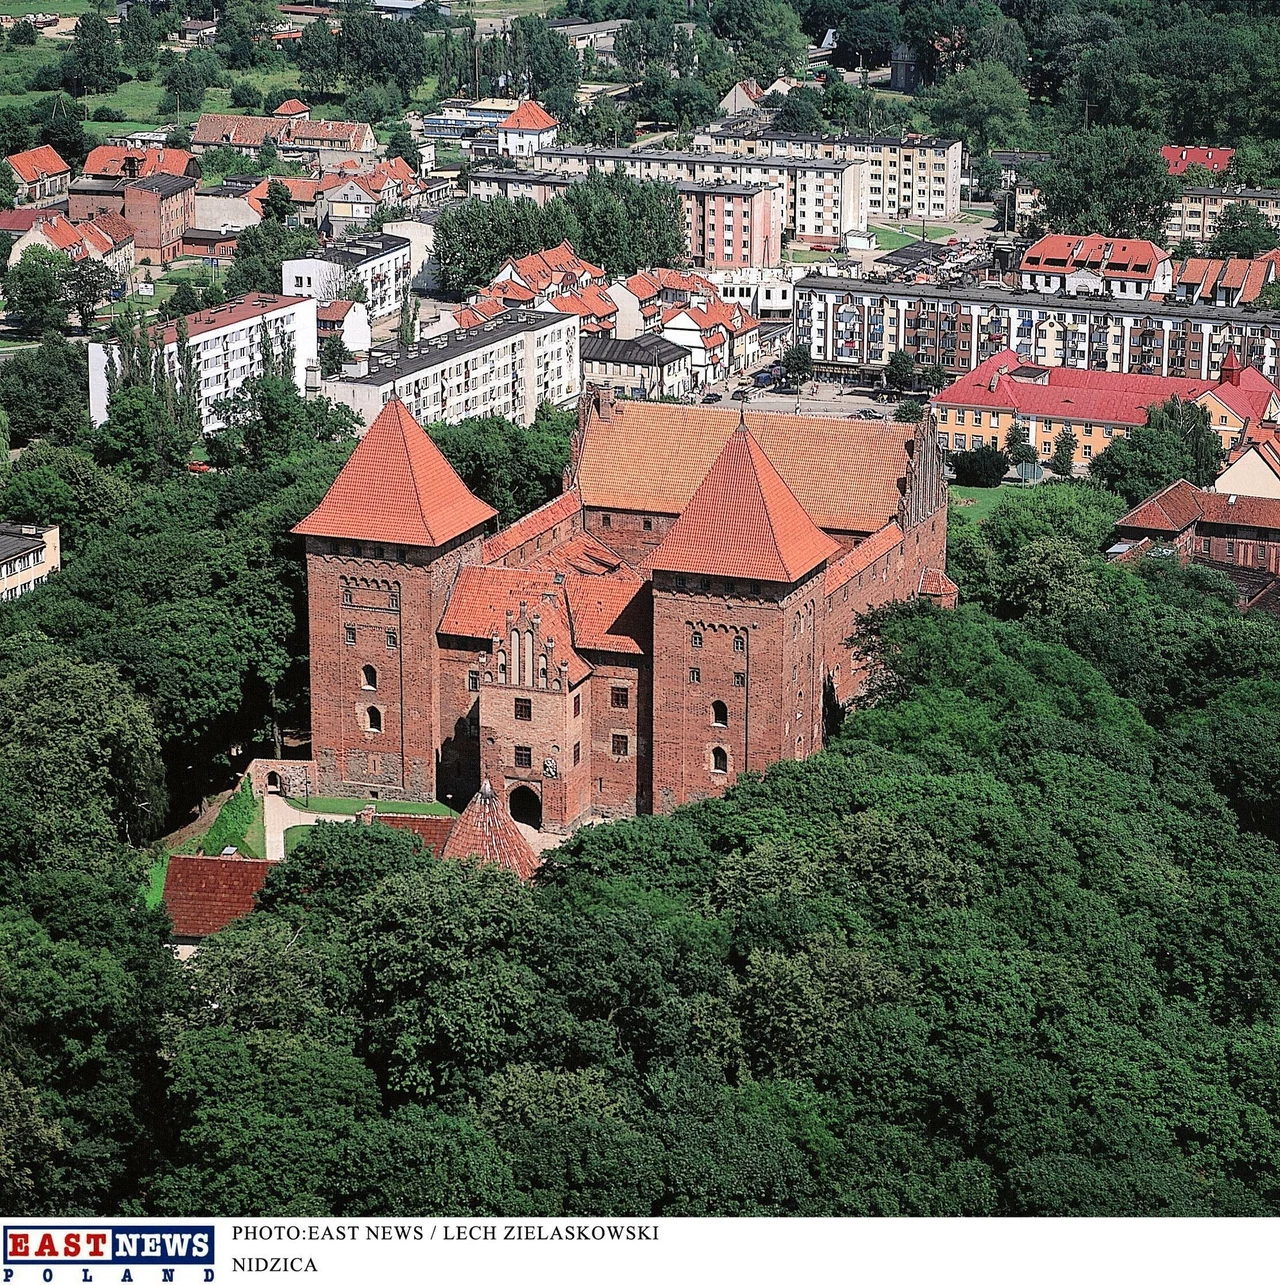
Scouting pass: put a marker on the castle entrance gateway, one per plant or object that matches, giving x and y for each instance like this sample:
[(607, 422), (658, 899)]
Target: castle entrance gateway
[(526, 806)]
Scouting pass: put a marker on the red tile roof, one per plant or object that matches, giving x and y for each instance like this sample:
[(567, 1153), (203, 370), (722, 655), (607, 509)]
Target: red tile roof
[(563, 508), (581, 553), (1201, 278), (485, 830), (651, 457), (116, 226), (22, 220), (137, 162), (248, 308), (482, 596), (1110, 257), (1008, 382), (1240, 510), (1171, 510), (291, 107), (204, 894), (860, 557), (397, 488), (302, 191), (559, 265), (39, 163), (935, 583), (1212, 158), (335, 310), (610, 612), (529, 116), (432, 830), (743, 521)]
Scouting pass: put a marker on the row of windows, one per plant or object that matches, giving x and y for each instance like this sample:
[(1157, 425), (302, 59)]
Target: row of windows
[(695, 676), (393, 637)]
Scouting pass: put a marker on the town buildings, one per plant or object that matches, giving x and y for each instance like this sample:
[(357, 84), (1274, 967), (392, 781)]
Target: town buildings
[(647, 366), (912, 177), (823, 199), (672, 620), (852, 324), (226, 344), (29, 555), (108, 238), (506, 366), (733, 225), (1195, 211), (317, 142), (41, 176), (346, 319), (378, 262), (1096, 406)]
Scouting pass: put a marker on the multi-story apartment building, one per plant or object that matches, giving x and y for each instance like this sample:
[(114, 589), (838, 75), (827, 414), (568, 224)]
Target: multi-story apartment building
[(647, 366), (1096, 264), (508, 366), (913, 177), (729, 225), (853, 324), (29, 555), (379, 261), (823, 199), (1194, 213), (226, 344)]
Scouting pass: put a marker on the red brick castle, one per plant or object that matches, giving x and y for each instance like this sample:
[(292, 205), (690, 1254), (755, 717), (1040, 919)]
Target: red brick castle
[(667, 622)]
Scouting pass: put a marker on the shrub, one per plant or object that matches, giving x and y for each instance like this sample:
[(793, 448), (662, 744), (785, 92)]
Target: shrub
[(108, 114), (244, 94), (985, 466)]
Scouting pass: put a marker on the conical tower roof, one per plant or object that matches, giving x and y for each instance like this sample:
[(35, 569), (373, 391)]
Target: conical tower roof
[(397, 488), (485, 830), (743, 521)]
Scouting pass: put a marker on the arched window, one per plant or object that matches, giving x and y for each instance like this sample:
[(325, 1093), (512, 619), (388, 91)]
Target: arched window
[(719, 760), (369, 678), (374, 715), (720, 713)]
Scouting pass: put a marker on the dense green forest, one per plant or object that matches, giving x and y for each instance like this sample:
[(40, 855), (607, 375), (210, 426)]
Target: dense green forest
[(1009, 945)]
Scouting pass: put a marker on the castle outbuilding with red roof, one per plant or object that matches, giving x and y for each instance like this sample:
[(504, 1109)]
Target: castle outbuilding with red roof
[(674, 618)]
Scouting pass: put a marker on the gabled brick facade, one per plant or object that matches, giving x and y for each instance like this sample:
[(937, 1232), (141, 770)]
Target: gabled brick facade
[(671, 620)]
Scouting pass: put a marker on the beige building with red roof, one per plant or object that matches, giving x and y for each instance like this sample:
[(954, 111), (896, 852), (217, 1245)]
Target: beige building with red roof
[(41, 176), (673, 619), (1095, 405), (1095, 264)]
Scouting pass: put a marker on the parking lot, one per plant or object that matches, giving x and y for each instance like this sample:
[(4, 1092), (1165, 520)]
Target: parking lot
[(812, 398)]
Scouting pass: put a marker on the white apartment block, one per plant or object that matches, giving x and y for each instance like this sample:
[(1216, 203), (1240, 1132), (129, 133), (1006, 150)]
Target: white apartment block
[(849, 324), (227, 346), (763, 292), (29, 555), (380, 262), (824, 198), (508, 366), (907, 178)]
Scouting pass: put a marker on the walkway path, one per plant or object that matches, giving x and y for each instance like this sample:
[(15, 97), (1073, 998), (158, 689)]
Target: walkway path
[(278, 817)]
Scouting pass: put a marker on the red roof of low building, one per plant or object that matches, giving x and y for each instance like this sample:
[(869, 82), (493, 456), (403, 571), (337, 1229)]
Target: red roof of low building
[(611, 612), (21, 220), (116, 226), (1172, 510), (397, 488), (529, 116), (434, 831), (291, 107), (1109, 257), (486, 830), (744, 522), (543, 519), (38, 163), (1224, 509), (137, 162), (335, 310), (1212, 158), (204, 894)]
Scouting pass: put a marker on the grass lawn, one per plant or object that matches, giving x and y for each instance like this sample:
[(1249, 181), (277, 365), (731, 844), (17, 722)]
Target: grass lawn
[(808, 256), (63, 8), (981, 499), (293, 836), (891, 239), (349, 807), (155, 882), (252, 840)]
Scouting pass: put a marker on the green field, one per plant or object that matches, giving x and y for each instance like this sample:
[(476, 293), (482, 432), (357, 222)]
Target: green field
[(976, 502), (891, 239), (293, 836), (350, 807)]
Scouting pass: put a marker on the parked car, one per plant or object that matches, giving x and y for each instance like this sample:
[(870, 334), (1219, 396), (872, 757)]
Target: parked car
[(739, 394), (867, 413), (711, 397)]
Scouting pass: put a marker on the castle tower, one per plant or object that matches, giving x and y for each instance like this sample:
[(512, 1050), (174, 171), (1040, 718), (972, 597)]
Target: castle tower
[(384, 547), (738, 628)]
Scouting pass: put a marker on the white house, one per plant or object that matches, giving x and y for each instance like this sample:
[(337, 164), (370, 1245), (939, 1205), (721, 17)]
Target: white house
[(526, 131), (227, 346)]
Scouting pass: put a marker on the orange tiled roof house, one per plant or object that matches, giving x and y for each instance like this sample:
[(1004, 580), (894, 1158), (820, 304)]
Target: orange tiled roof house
[(666, 623)]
